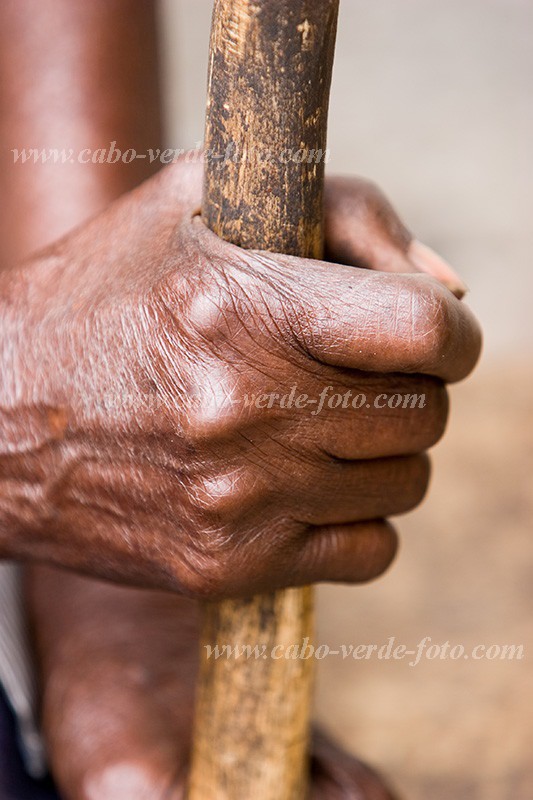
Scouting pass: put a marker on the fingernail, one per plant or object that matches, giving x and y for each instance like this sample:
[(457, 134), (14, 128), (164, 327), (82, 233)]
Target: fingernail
[(427, 260)]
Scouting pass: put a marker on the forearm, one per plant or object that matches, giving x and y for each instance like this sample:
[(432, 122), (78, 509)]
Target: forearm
[(73, 75)]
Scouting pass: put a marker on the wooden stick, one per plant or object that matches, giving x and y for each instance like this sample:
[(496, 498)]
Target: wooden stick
[(268, 93)]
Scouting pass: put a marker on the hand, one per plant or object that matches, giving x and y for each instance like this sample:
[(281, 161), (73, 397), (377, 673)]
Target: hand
[(137, 451), (118, 670)]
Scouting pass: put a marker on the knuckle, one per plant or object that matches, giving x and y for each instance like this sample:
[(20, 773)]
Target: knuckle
[(211, 408), (202, 569), (221, 556), (207, 581), (221, 498), (216, 298), (209, 308)]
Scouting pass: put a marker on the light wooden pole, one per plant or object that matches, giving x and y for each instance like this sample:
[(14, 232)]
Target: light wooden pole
[(269, 79)]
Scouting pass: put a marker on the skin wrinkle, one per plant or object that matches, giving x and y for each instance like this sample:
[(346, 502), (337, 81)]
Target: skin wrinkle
[(288, 443), (230, 311), (100, 314)]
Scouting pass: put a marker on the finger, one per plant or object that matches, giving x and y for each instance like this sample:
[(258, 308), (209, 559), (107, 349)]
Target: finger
[(351, 553), (388, 416), (364, 230), (336, 775), (344, 553), (348, 317), (362, 227), (373, 321), (344, 492), (427, 260)]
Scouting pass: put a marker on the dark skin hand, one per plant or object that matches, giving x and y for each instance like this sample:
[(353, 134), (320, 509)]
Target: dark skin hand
[(140, 461), (117, 665), (117, 687)]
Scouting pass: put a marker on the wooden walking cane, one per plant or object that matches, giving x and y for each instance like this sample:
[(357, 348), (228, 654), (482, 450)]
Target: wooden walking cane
[(269, 79)]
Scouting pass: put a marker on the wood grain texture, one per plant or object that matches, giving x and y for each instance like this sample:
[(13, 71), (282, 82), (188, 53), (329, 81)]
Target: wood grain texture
[(252, 717), (268, 93)]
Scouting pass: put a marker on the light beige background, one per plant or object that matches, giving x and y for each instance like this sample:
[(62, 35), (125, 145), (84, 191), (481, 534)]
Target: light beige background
[(434, 101)]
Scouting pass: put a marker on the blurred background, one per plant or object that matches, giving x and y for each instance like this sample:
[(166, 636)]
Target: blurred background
[(434, 101)]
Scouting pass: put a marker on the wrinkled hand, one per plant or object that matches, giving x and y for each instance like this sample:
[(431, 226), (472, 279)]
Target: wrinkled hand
[(118, 669), (156, 443)]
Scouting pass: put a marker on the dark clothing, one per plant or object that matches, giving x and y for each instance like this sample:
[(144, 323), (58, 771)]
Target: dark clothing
[(15, 783)]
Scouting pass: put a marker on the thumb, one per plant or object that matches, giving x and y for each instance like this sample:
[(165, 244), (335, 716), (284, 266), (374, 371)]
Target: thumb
[(364, 230)]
